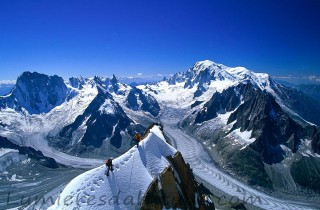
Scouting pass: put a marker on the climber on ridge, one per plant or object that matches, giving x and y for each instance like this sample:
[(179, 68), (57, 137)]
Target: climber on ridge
[(109, 166), (137, 138)]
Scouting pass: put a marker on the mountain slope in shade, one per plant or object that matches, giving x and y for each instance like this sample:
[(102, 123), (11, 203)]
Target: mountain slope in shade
[(251, 133), (139, 100), (313, 90), (103, 119), (36, 93), (130, 182), (305, 106)]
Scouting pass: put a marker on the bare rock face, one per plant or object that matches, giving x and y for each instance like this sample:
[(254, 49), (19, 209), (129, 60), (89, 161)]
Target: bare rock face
[(104, 118), (152, 199), (300, 101), (36, 93), (187, 182), (175, 188), (169, 190), (139, 100), (275, 131)]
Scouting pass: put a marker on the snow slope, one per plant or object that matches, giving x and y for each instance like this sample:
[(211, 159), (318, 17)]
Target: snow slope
[(126, 185)]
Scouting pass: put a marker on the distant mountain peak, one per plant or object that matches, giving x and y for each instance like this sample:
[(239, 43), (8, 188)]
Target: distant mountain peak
[(206, 63), (203, 73), (114, 79), (37, 93)]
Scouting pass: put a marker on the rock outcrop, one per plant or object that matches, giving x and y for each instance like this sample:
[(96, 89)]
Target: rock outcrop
[(175, 188)]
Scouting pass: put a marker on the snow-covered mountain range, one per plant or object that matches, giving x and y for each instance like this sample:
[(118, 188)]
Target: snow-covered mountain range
[(78, 116), (256, 129)]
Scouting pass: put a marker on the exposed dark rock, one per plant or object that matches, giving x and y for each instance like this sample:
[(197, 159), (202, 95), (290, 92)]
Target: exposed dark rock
[(37, 93), (100, 124), (223, 102), (152, 198), (132, 100), (256, 111), (306, 172), (248, 164), (204, 77), (259, 113), (114, 83), (298, 101), (196, 103), (116, 138), (269, 124), (148, 102), (188, 184), (178, 188), (188, 83), (178, 77), (76, 82), (200, 90), (170, 194)]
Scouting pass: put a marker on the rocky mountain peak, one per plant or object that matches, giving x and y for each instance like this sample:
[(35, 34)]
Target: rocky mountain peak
[(114, 82), (37, 93), (77, 82)]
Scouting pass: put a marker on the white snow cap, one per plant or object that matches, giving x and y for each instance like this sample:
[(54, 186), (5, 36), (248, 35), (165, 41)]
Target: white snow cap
[(125, 187), (205, 63)]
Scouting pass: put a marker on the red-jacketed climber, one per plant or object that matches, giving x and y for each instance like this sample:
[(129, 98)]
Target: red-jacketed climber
[(109, 166)]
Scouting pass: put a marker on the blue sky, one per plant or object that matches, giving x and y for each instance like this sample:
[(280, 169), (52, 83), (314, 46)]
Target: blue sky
[(101, 37)]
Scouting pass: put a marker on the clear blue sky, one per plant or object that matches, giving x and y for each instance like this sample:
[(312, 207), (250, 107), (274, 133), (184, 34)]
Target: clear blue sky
[(101, 37)]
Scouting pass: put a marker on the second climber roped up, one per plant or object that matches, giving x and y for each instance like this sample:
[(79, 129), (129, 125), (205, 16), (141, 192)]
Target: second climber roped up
[(109, 166)]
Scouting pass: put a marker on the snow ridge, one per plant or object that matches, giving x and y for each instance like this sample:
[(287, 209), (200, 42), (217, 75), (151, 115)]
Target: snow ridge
[(126, 185)]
